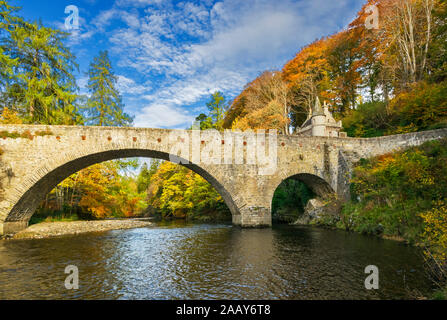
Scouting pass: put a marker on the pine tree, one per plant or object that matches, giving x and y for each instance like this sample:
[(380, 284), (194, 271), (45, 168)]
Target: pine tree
[(144, 178), (7, 23), (38, 79), (217, 108), (105, 106)]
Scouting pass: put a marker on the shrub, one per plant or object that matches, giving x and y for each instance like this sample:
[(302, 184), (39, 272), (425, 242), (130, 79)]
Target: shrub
[(398, 195), (368, 120)]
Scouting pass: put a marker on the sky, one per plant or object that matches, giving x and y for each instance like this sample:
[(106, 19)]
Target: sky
[(170, 56)]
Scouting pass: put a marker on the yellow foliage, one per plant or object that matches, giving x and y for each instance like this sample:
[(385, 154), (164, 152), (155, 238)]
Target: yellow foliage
[(435, 222), (9, 117)]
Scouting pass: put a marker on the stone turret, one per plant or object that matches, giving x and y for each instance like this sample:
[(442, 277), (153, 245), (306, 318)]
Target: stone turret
[(321, 123), (318, 120)]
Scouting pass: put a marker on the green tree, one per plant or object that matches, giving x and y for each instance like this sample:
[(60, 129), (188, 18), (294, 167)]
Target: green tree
[(37, 71), (206, 122), (290, 200), (105, 106), (217, 109), (438, 49), (7, 21), (144, 178)]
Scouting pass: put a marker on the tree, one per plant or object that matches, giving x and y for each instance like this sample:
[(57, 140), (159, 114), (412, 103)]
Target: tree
[(206, 122), (408, 25), (145, 175), (265, 103), (307, 76), (105, 106), (37, 79), (7, 24), (437, 55), (344, 61), (217, 109), (9, 117), (178, 192)]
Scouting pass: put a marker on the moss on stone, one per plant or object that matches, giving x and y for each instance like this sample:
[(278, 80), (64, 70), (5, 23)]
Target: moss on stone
[(25, 135)]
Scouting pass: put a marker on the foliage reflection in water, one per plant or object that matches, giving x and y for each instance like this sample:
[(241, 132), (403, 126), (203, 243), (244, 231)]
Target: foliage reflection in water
[(182, 261)]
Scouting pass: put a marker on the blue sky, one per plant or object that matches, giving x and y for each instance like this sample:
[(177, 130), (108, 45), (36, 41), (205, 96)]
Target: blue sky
[(171, 55)]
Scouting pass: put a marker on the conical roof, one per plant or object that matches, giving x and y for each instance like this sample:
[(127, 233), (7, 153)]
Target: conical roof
[(317, 109)]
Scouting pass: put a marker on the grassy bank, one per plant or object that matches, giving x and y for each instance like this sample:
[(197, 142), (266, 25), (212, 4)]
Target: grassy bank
[(402, 196)]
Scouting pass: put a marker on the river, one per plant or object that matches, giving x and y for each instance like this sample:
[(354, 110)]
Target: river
[(206, 261)]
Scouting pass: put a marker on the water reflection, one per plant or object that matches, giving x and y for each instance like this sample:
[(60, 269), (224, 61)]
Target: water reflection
[(181, 261)]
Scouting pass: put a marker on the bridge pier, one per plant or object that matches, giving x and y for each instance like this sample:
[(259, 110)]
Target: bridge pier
[(253, 217), (12, 227)]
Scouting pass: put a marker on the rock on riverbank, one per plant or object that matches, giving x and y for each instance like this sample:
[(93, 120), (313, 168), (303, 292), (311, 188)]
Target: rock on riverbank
[(57, 229)]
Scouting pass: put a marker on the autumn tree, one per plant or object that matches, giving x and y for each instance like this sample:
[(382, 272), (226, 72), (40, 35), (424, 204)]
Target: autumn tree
[(409, 28), (307, 76), (266, 104), (9, 117), (145, 175), (178, 192), (371, 54)]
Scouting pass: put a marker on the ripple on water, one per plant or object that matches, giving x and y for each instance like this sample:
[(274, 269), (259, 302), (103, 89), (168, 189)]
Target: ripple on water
[(210, 262)]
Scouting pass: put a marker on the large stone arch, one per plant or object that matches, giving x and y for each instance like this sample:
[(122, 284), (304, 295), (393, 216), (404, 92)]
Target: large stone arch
[(42, 181)]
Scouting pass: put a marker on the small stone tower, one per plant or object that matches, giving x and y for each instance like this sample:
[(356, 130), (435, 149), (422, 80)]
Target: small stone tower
[(321, 123)]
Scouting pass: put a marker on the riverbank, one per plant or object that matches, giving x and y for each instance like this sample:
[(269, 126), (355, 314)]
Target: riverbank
[(58, 229)]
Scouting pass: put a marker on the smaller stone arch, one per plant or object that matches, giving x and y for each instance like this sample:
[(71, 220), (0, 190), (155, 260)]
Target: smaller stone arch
[(324, 193), (317, 184)]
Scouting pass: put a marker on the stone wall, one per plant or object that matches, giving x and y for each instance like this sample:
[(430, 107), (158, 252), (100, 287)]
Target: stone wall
[(30, 168)]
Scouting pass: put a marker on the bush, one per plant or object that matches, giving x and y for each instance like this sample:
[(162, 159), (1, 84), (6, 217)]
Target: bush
[(423, 106), (398, 195), (368, 120)]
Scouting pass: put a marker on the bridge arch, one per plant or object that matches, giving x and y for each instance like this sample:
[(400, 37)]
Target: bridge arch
[(319, 187), (42, 181)]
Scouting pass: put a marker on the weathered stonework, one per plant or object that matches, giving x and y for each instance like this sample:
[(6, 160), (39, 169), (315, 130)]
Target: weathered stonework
[(32, 168)]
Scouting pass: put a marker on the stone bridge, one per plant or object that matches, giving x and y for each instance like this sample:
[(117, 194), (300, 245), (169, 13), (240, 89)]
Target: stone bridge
[(35, 159)]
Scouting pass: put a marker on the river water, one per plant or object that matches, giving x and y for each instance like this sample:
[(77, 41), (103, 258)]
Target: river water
[(187, 261)]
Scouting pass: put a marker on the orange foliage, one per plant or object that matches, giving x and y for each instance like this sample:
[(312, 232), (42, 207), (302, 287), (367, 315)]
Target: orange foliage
[(95, 182)]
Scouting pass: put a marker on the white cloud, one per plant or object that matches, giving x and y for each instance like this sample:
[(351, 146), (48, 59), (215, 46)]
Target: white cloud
[(193, 49), (129, 86), (163, 116), (139, 3)]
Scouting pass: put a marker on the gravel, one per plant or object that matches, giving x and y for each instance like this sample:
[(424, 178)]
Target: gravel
[(57, 229)]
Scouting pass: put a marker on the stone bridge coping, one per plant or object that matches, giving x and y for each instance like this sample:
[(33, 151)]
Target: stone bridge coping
[(20, 128)]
